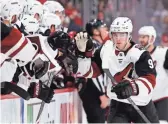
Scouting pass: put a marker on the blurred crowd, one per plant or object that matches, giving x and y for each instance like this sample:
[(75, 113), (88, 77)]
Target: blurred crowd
[(142, 12)]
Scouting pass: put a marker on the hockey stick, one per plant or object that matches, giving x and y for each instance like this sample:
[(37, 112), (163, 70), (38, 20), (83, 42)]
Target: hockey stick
[(51, 75), (16, 89), (129, 99), (43, 103)]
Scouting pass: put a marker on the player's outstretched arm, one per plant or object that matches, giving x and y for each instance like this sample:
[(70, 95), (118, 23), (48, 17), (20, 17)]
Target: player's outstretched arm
[(87, 56)]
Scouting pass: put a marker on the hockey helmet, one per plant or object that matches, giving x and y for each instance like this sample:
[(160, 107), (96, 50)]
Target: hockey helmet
[(30, 23), (94, 24)]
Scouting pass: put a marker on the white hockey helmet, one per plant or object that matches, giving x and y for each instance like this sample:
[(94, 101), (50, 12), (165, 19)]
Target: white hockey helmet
[(24, 6), (149, 31), (35, 7), (51, 19), (54, 6), (45, 10), (31, 24), (9, 8), (121, 24)]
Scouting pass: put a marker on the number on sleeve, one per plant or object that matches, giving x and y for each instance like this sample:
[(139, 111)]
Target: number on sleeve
[(150, 62)]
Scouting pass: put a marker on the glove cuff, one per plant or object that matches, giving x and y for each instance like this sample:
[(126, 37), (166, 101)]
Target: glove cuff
[(135, 89), (34, 89), (87, 54)]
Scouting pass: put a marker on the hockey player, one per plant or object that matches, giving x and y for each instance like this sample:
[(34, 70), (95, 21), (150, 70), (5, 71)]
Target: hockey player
[(159, 54), (14, 63), (44, 55), (93, 93), (35, 9), (31, 24), (97, 29), (131, 66), (50, 24), (11, 13), (56, 8)]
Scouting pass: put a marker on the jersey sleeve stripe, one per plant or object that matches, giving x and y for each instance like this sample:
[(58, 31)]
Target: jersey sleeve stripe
[(88, 73), (99, 83), (96, 70), (19, 49), (146, 83), (101, 80), (147, 86), (96, 83), (12, 41), (151, 79)]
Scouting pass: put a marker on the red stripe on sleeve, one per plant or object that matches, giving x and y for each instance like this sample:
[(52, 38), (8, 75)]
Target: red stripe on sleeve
[(151, 78), (20, 48), (11, 40), (149, 90)]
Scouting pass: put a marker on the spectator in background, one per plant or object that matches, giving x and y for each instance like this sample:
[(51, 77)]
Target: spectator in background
[(101, 5), (164, 19), (73, 26), (164, 41), (155, 22), (105, 11), (100, 15), (69, 8)]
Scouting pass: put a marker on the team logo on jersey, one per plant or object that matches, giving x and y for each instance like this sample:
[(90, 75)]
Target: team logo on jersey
[(125, 73), (140, 47), (120, 56)]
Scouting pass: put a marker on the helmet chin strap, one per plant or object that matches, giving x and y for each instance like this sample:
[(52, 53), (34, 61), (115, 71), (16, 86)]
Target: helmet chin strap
[(147, 46)]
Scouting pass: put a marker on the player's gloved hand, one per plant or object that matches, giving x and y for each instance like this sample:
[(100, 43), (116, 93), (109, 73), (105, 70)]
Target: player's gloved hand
[(84, 44), (125, 89), (69, 63), (58, 82), (5, 89), (41, 91)]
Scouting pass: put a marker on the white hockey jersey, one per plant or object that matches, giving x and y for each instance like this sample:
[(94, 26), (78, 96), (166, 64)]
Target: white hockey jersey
[(135, 64), (161, 88), (45, 53), (7, 68), (14, 47)]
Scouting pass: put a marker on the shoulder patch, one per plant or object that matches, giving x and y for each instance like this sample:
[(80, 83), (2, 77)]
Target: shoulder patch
[(140, 47)]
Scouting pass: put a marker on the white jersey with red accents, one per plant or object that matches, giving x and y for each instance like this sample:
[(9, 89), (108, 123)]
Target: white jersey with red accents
[(8, 68), (161, 88), (45, 53), (15, 47), (18, 47), (135, 64)]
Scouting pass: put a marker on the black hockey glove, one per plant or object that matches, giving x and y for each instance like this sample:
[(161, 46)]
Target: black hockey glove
[(41, 91), (125, 89), (9, 87), (58, 82), (69, 63)]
